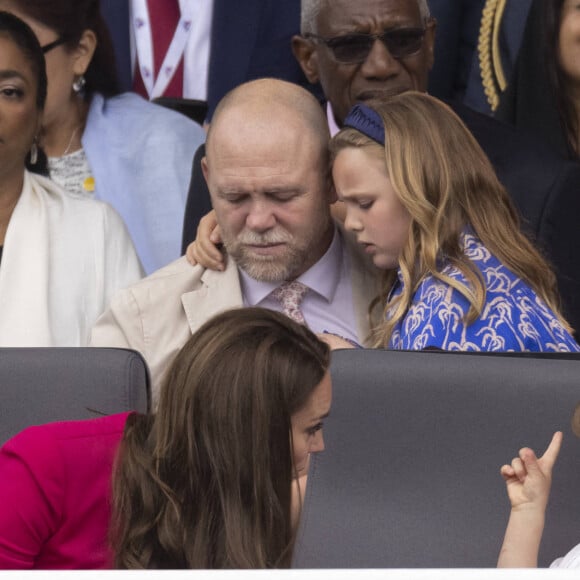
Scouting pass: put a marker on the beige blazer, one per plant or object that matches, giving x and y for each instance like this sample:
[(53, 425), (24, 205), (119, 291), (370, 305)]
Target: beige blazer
[(157, 315)]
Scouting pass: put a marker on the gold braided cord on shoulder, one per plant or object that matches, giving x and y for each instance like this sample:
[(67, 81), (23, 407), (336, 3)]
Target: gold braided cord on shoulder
[(490, 66), (495, 50)]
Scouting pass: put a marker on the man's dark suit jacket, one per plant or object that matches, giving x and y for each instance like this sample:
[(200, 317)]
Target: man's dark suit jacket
[(511, 31), (455, 43), (249, 40), (544, 188), (116, 14)]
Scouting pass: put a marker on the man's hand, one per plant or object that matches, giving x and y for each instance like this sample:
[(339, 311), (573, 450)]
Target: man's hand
[(335, 342)]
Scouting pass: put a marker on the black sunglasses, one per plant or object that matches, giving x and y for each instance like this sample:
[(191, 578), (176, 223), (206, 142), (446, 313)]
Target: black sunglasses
[(355, 48), (48, 47)]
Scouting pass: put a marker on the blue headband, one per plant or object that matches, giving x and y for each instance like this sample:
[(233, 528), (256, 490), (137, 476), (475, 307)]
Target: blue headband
[(367, 121)]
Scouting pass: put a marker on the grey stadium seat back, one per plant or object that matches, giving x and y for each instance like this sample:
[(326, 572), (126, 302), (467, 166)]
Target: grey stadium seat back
[(42, 385), (414, 442)]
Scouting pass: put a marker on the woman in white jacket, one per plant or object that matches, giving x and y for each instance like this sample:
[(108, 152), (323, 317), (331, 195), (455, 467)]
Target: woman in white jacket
[(118, 148), (62, 255)]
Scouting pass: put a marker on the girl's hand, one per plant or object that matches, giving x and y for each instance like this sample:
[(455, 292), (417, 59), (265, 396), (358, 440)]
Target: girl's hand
[(205, 249)]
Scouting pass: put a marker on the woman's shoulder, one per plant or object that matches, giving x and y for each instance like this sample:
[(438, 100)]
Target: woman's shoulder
[(62, 430), (72, 209), (40, 446), (132, 110), (103, 425)]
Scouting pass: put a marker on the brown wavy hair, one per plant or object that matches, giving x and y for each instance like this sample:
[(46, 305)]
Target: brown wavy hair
[(559, 84), (206, 481), (447, 184)]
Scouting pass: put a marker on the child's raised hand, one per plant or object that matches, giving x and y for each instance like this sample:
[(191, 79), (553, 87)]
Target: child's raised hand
[(528, 478), (204, 250)]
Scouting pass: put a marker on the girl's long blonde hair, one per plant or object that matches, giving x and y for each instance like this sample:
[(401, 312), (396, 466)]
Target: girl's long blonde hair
[(448, 186)]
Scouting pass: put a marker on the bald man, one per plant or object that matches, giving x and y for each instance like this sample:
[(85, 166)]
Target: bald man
[(266, 166)]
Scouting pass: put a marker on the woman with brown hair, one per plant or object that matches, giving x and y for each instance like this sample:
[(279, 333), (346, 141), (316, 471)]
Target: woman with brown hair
[(424, 201), (62, 257), (542, 97), (210, 481), (117, 148)]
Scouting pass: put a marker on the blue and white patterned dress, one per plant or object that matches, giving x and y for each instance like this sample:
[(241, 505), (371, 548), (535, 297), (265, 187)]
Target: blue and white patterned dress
[(514, 318)]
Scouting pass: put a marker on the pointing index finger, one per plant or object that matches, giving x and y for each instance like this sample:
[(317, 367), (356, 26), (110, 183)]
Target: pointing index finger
[(551, 453)]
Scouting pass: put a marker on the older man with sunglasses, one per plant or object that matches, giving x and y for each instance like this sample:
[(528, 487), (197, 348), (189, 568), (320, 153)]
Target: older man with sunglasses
[(376, 48), (338, 48)]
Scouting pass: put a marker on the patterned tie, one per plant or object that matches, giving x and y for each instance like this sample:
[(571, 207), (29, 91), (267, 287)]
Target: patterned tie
[(290, 295), (163, 17)]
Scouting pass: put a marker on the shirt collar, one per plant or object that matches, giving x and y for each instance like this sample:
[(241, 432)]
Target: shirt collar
[(323, 277), (332, 124)]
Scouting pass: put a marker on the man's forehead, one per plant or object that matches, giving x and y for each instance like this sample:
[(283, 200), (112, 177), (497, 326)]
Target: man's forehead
[(254, 122), (338, 16), (267, 152), (257, 142), (248, 136)]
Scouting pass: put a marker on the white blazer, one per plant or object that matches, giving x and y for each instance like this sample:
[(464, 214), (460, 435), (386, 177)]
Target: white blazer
[(64, 257)]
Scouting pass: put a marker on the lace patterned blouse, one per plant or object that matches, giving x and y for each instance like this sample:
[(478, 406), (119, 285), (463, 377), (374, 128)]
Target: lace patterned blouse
[(514, 318), (73, 173)]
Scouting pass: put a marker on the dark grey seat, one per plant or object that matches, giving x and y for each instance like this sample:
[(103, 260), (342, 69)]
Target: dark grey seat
[(41, 385), (414, 442)]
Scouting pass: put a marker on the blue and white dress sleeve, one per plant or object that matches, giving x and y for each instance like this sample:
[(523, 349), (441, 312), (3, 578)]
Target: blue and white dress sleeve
[(513, 317)]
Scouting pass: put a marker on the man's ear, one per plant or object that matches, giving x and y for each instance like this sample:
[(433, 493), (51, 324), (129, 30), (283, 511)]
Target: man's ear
[(305, 53), (431, 30), (205, 169), (84, 52)]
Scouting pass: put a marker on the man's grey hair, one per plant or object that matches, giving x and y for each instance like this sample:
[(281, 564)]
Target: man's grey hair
[(310, 9)]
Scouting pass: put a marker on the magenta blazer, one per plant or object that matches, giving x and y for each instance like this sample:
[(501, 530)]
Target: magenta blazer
[(55, 490)]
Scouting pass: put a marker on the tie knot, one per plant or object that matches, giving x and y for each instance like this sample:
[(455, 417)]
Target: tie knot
[(290, 295)]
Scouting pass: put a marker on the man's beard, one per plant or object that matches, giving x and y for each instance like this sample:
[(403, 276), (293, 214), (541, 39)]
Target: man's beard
[(283, 266)]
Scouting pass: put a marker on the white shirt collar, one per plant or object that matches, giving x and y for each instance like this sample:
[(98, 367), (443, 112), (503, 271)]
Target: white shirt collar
[(332, 124)]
